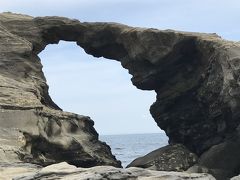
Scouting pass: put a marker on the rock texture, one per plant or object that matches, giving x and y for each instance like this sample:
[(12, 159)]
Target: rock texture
[(228, 152), (10, 170), (45, 137), (169, 158), (66, 171), (236, 178), (33, 128), (195, 75)]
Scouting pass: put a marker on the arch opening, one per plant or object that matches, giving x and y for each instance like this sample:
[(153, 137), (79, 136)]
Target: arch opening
[(101, 89)]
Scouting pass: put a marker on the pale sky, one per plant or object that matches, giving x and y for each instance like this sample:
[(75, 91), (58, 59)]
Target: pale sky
[(100, 88)]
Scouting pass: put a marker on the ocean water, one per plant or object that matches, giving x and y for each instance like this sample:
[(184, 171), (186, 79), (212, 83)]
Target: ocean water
[(128, 147)]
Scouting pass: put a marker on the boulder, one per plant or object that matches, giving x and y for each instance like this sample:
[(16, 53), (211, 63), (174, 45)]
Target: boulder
[(174, 157), (219, 174), (10, 170), (222, 160)]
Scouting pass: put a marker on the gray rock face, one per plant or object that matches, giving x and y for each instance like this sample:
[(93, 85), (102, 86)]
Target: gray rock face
[(195, 76), (33, 128), (10, 170), (45, 137), (169, 158), (236, 177), (66, 171), (228, 152)]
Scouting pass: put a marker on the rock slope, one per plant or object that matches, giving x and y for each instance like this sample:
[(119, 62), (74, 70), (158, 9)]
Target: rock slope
[(195, 76)]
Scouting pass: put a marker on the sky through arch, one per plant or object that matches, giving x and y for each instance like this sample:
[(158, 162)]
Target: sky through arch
[(97, 87)]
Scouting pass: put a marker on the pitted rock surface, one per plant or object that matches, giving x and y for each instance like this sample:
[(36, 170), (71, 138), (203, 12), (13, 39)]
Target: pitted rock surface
[(70, 172), (169, 158)]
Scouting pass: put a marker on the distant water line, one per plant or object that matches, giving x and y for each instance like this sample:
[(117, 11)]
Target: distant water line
[(127, 147)]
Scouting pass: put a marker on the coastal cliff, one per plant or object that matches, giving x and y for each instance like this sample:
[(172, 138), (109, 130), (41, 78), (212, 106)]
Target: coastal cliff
[(195, 77)]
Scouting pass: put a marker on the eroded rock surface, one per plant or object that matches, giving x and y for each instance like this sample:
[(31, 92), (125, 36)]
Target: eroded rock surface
[(66, 171), (169, 158), (236, 177), (195, 76), (48, 136), (10, 170), (32, 127), (228, 152)]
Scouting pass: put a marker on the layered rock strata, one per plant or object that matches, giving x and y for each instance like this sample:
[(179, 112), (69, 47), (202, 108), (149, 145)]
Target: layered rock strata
[(32, 127), (70, 172), (195, 76)]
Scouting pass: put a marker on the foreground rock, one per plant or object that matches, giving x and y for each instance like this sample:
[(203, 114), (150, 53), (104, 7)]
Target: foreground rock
[(169, 158), (45, 137), (236, 178), (66, 171), (10, 170)]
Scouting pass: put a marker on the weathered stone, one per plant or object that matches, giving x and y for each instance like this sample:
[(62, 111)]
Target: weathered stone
[(195, 76), (33, 128), (10, 170), (169, 158), (236, 177), (222, 160), (45, 137), (219, 174), (66, 171)]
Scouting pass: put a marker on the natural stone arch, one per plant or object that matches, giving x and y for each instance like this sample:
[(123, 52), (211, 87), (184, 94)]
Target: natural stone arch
[(195, 76), (99, 88), (171, 63)]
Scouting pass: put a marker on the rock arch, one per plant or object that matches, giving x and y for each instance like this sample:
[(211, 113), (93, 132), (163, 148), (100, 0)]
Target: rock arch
[(195, 75), (98, 87)]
